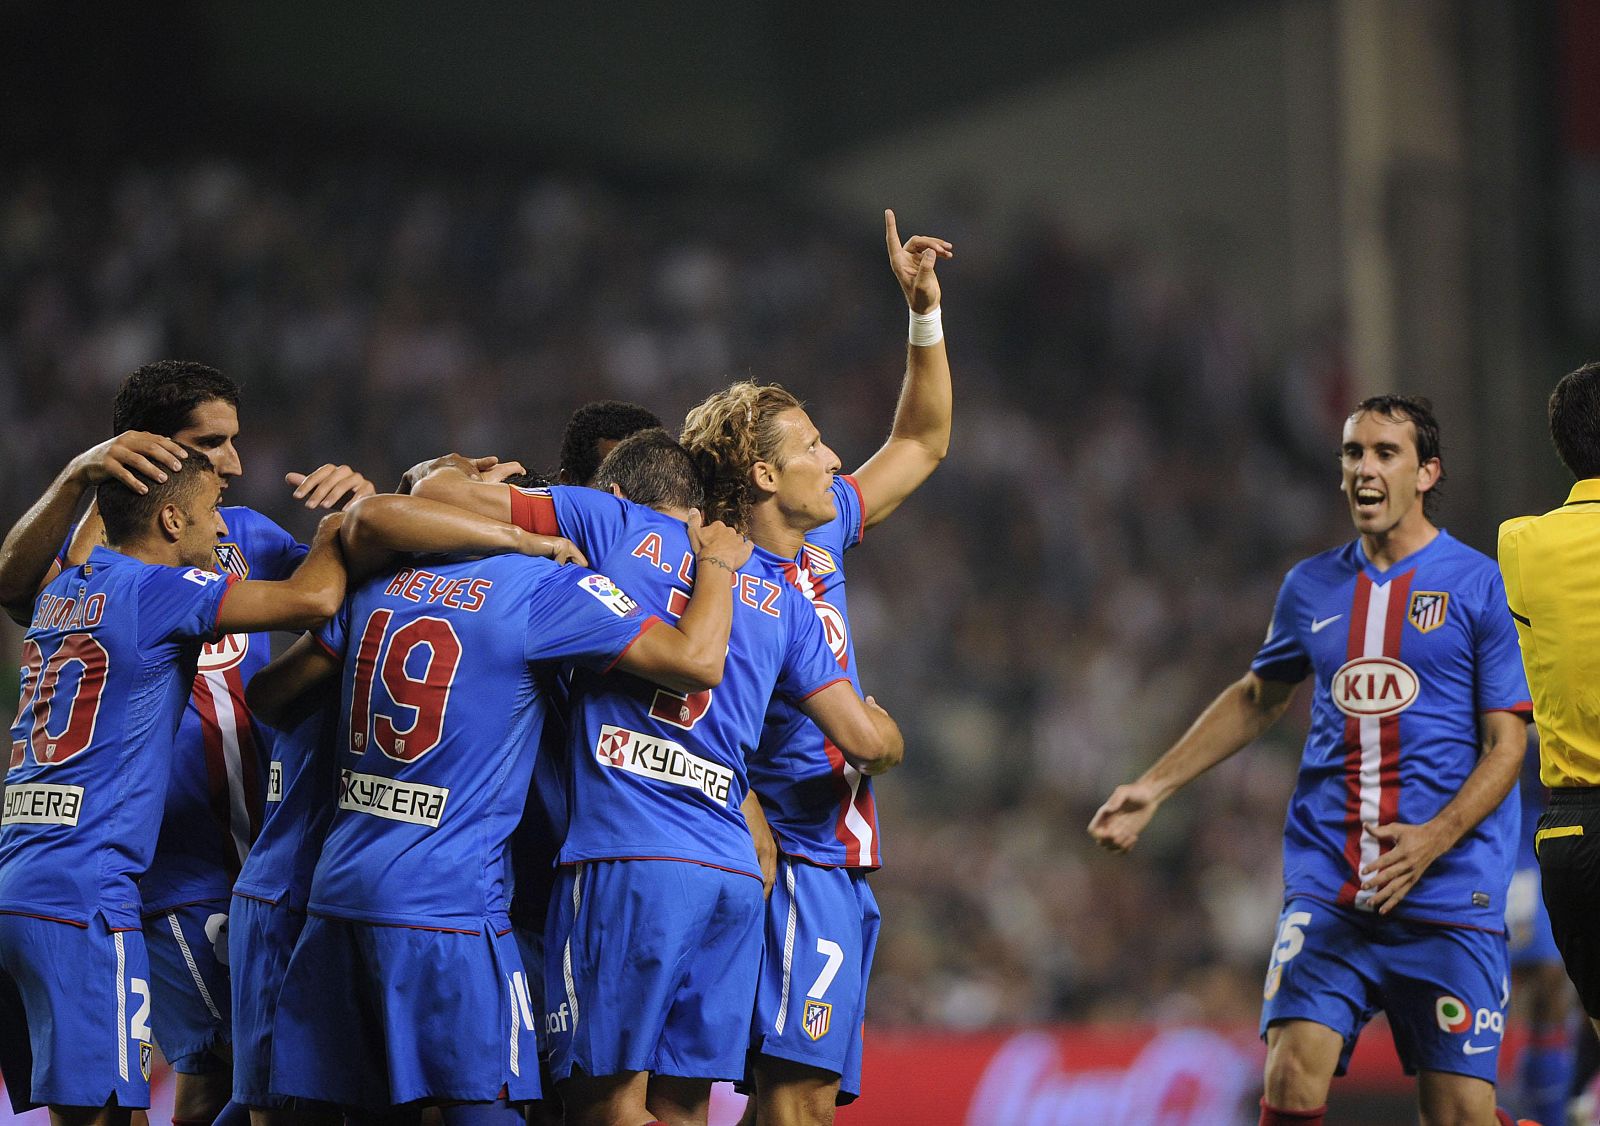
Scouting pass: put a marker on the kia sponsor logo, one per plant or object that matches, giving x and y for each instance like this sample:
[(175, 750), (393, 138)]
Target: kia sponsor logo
[(1374, 687), (224, 653)]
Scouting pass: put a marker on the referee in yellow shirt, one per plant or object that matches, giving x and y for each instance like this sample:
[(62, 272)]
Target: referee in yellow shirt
[(1551, 565)]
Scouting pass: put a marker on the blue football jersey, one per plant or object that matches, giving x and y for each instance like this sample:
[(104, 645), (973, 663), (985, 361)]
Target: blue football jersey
[(107, 666), (301, 788), (1404, 662), (819, 806), (654, 774), (214, 801), (440, 722)]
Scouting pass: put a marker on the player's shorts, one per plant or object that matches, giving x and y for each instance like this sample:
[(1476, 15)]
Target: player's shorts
[(1445, 989), (188, 949), (651, 966), (261, 936), (373, 1016), (76, 1002), (1568, 840), (811, 1000)]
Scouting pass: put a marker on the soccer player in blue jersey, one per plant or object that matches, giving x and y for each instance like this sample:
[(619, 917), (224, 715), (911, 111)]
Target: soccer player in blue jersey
[(405, 986), (771, 474), (108, 663), (214, 802), (657, 859), (1401, 834)]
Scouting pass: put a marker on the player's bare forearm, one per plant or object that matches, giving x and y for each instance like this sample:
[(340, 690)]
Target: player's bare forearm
[(302, 668), (304, 600), (1505, 741), (865, 734), (920, 438), (451, 483), (377, 527), (27, 557), (1239, 715), (761, 836)]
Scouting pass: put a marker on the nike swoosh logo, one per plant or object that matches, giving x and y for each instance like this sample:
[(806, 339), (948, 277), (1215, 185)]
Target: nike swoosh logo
[(1318, 626), (1475, 1049)]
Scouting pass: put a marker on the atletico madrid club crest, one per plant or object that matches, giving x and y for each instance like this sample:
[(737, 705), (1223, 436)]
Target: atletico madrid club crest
[(232, 560), (817, 1017), (1427, 609), (144, 1059)]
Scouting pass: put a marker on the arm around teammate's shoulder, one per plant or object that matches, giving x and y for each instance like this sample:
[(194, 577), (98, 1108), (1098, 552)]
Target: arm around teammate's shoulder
[(273, 692), (304, 600), (865, 734), (1241, 713)]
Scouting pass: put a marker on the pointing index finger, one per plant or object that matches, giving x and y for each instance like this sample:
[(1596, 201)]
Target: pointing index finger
[(891, 235)]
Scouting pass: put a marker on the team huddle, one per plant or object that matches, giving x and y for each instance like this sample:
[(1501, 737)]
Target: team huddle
[(564, 790)]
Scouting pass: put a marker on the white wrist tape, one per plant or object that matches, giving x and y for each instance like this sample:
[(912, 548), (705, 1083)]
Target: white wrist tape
[(926, 328)]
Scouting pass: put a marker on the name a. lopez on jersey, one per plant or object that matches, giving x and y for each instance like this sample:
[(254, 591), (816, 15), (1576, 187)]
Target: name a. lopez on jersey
[(1374, 687), (40, 803), (411, 802), (649, 756)]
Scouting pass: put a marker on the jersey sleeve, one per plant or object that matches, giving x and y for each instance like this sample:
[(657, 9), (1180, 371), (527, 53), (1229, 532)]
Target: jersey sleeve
[(180, 603), (809, 665), (588, 517), (273, 550), (852, 511), (582, 616), (1502, 685), (1510, 572), (1282, 657), (334, 634)]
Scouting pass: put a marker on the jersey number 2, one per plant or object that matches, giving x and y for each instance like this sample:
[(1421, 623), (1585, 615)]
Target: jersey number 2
[(383, 657)]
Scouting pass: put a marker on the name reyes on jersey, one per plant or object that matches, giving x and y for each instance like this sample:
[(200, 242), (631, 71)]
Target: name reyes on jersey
[(649, 756), (1374, 687)]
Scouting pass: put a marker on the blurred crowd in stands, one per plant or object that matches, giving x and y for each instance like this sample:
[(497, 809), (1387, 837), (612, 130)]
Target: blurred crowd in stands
[(1132, 471)]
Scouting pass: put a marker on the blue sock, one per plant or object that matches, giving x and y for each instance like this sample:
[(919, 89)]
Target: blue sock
[(497, 1113), (1544, 1072)]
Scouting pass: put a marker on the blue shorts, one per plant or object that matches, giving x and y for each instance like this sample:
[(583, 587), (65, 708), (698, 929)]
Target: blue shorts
[(261, 936), (188, 949), (1527, 922), (1444, 989), (76, 1002), (811, 1001), (652, 967), (374, 1016)]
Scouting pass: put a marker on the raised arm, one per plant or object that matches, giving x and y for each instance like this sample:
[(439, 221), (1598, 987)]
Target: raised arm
[(920, 437), (1239, 715), (27, 557), (865, 734), (304, 600), (690, 657), (377, 527), (458, 481), (1414, 847), (302, 668)]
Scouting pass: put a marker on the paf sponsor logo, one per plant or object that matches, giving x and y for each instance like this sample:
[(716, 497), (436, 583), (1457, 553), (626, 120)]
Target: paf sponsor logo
[(1452, 1014), (1374, 687)]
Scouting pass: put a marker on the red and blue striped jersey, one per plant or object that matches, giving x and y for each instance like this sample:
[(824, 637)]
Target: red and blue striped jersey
[(819, 806), (653, 774), (107, 667), (1404, 662), (219, 766), (441, 715)]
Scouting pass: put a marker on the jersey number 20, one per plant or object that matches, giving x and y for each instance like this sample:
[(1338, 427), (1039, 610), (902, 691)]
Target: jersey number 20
[(41, 681)]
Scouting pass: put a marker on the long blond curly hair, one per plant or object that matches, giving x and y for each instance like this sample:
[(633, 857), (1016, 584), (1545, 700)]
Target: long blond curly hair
[(727, 434)]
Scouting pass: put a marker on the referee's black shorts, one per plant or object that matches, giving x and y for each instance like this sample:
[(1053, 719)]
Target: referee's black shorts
[(1568, 844)]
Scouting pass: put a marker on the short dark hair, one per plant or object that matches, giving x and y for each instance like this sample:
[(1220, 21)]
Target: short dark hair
[(608, 420), (129, 515), (1417, 410), (1575, 420), (160, 397), (652, 469)]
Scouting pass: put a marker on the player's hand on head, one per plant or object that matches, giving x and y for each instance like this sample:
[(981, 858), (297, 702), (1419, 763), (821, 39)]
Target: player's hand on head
[(473, 467), (134, 457), (329, 486), (913, 264), (718, 541), (500, 470), (1116, 825), (559, 548), (1408, 850)]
